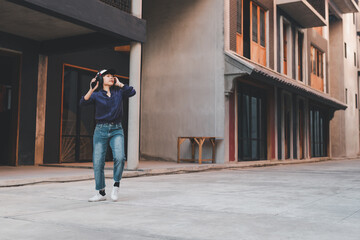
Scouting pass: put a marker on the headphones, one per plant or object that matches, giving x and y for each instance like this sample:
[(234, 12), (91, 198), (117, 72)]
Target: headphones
[(100, 79)]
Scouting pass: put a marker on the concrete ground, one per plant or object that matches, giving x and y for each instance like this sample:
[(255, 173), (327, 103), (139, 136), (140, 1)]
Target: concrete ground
[(303, 201), (69, 172)]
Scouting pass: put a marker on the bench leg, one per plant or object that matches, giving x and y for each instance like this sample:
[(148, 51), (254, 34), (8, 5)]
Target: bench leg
[(192, 148), (201, 142), (178, 150), (180, 141), (212, 140)]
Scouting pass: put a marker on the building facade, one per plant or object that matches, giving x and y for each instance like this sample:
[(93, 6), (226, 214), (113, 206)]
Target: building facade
[(270, 79), (258, 75)]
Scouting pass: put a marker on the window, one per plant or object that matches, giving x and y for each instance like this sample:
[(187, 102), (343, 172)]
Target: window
[(239, 16), (254, 23), (262, 27), (318, 132), (239, 27), (355, 59), (300, 55), (285, 48), (356, 101), (317, 68), (346, 93), (258, 34), (345, 50)]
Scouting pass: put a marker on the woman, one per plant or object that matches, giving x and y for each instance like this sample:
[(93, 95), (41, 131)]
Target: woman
[(108, 102)]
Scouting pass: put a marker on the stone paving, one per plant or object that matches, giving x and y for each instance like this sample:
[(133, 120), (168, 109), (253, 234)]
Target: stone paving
[(302, 201)]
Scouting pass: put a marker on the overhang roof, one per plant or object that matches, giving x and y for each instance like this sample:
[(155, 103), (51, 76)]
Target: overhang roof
[(43, 20), (302, 12), (24, 22), (238, 66), (347, 6)]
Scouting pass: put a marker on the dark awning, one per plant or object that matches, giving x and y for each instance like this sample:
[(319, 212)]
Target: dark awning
[(237, 66)]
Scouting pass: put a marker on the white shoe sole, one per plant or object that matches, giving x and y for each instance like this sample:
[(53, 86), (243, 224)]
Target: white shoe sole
[(98, 200)]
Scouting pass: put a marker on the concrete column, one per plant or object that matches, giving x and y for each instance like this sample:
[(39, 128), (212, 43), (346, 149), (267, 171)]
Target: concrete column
[(40, 110), (227, 25), (134, 102)]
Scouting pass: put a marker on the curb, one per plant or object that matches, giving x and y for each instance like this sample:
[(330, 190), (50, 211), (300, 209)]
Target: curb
[(164, 171)]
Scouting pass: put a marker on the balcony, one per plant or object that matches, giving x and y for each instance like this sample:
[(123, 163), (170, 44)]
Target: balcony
[(307, 14), (347, 6)]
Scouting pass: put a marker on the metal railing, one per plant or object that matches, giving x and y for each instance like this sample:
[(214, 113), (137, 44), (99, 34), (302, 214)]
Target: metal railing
[(124, 5)]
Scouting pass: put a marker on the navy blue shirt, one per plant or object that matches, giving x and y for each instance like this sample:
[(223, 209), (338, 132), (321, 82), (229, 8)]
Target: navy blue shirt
[(109, 109)]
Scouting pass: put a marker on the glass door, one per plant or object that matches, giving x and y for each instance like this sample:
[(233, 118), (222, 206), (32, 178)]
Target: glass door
[(252, 144), (78, 123)]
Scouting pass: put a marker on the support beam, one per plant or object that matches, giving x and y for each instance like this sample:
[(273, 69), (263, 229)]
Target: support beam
[(134, 102), (40, 110)]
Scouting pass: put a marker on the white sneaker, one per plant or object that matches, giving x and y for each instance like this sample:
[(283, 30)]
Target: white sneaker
[(115, 193), (98, 197)]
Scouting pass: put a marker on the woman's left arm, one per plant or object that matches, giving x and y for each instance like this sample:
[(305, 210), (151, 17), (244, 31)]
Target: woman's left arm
[(127, 91)]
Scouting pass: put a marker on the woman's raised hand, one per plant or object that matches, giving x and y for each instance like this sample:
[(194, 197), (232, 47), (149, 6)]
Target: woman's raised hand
[(91, 84), (118, 83)]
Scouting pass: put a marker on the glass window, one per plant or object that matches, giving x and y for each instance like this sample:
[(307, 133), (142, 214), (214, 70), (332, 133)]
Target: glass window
[(239, 16), (262, 27), (354, 59), (345, 49), (254, 23), (317, 62), (285, 52), (300, 55), (319, 132)]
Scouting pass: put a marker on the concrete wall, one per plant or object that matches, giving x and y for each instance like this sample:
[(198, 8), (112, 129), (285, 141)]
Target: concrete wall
[(182, 76), (336, 67), (350, 83), (343, 73)]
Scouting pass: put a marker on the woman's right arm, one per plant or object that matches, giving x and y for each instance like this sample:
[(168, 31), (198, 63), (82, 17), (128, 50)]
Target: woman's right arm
[(87, 99)]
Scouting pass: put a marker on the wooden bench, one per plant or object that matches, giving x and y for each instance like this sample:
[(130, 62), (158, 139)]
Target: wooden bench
[(199, 141)]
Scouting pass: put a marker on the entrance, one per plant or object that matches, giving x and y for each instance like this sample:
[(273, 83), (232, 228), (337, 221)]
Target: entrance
[(9, 93), (287, 125), (78, 124), (252, 144)]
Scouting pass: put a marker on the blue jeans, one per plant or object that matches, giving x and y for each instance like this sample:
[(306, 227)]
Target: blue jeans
[(105, 134)]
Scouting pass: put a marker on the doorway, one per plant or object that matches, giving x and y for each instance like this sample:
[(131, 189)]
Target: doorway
[(301, 130), (287, 125), (78, 123), (252, 131), (9, 100)]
